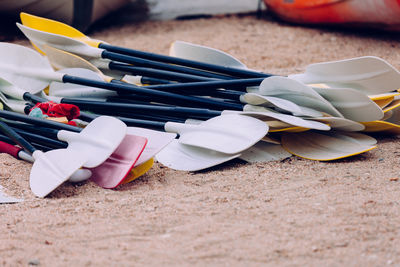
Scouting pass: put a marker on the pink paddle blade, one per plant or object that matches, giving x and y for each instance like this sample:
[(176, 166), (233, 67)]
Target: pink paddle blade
[(113, 171)]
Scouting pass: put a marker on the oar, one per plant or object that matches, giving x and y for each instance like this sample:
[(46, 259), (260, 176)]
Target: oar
[(51, 168), (371, 75), (40, 38)]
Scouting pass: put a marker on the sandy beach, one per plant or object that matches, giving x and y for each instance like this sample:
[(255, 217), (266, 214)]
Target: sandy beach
[(294, 212)]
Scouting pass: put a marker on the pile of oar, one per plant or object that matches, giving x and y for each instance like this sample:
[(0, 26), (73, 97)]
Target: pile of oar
[(220, 109)]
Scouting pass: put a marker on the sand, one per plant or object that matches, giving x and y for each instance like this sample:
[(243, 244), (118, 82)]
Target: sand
[(292, 213)]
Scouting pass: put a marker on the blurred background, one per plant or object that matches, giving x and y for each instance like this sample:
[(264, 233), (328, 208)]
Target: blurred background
[(82, 14)]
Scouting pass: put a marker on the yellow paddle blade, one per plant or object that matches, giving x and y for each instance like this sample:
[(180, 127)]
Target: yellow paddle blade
[(324, 146), (294, 129), (381, 126), (138, 171), (393, 105), (55, 27)]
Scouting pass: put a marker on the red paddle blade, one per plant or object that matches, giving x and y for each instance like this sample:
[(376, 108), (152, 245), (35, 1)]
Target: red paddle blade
[(113, 171)]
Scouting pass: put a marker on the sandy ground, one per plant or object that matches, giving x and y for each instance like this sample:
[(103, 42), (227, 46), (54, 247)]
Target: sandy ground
[(291, 213)]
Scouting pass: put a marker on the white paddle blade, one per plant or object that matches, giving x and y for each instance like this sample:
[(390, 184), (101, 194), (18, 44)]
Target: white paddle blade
[(53, 168), (40, 38), (279, 104), (324, 146), (75, 90), (372, 75), (341, 124), (264, 152), (265, 114), (156, 141), (16, 57), (228, 134), (97, 140), (297, 93), (4, 199), (188, 158), (353, 104), (204, 54)]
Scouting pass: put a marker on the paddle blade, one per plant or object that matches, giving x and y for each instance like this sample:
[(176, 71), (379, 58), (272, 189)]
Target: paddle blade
[(228, 134), (264, 152), (156, 141), (324, 146), (97, 140), (13, 57), (113, 171), (353, 104), (56, 27), (138, 171), (204, 54), (372, 75), (53, 168), (188, 158), (297, 93)]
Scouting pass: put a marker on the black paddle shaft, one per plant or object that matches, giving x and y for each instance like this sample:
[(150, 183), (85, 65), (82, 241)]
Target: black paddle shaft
[(236, 72), (37, 121), (155, 73), (165, 97), (7, 130), (159, 65)]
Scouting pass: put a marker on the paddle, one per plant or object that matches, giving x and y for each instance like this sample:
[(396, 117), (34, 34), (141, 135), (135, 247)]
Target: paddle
[(51, 168)]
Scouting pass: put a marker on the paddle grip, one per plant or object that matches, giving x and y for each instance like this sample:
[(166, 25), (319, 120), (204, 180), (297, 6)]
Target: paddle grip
[(9, 149), (165, 97), (159, 65), (7, 130), (184, 62)]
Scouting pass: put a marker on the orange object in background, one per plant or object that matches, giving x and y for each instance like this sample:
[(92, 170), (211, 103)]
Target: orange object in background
[(383, 14)]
